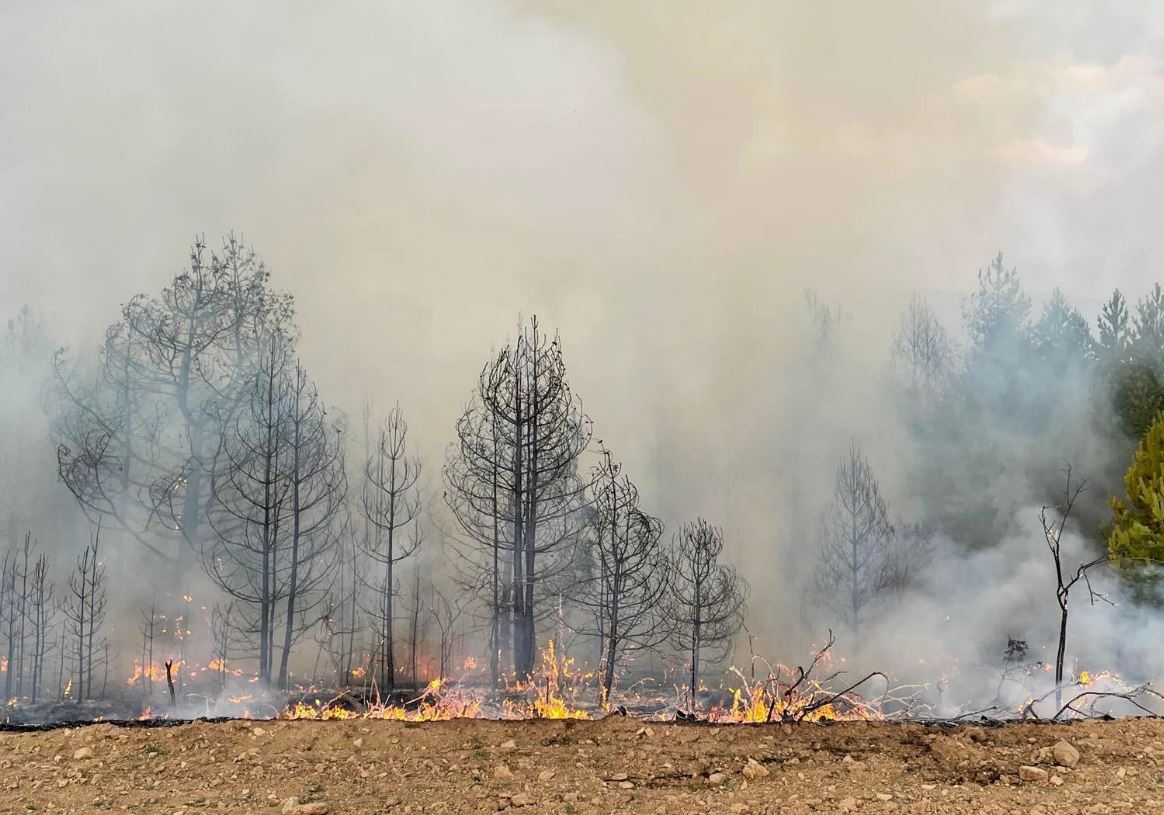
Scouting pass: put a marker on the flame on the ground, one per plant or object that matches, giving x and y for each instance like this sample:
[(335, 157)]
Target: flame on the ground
[(444, 699)]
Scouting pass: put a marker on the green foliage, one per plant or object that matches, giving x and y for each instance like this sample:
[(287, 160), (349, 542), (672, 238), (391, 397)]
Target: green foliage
[(997, 313), (1148, 328), (1135, 538), (1062, 337), (1115, 330), (1137, 397)]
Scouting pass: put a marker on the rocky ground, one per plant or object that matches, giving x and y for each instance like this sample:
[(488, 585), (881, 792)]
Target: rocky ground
[(615, 765)]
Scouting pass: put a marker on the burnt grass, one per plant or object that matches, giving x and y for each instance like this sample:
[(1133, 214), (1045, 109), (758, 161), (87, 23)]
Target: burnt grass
[(619, 764)]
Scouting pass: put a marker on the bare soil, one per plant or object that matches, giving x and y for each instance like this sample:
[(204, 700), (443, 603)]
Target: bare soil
[(614, 765)]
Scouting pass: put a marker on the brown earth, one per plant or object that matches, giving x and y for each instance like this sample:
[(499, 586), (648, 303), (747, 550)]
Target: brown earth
[(615, 765)]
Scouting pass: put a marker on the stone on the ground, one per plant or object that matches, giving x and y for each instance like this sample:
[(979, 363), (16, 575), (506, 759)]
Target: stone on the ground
[(1035, 774), (1065, 754), (715, 779), (754, 769), (84, 752), (502, 773), (292, 806)]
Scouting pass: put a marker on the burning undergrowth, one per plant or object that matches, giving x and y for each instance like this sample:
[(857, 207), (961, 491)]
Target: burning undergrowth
[(818, 692)]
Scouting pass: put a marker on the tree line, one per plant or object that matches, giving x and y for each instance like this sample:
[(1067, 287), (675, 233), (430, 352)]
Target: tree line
[(196, 433)]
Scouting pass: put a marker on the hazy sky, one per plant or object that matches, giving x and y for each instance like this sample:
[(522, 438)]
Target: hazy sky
[(659, 180)]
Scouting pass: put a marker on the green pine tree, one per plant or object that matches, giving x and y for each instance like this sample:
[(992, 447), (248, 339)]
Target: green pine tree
[(1135, 538)]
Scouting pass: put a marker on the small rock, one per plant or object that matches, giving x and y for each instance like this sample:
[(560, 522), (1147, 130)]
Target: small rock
[(358, 743), (545, 775), (626, 785), (509, 744), (521, 799), (754, 770), (884, 796), (715, 779), (645, 731), (618, 777), (1034, 774), (1056, 781), (1065, 754), (292, 806), (84, 752), (502, 773), (847, 804), (258, 731)]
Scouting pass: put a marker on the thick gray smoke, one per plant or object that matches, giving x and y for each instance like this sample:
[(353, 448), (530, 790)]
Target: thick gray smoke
[(661, 182)]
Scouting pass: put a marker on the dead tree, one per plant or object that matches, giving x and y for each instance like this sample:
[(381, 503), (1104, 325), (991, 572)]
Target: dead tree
[(861, 558), (85, 611), (42, 616), (316, 488), (391, 506), (415, 607), (1064, 582), (149, 631), (278, 485), (629, 575), (446, 612), (9, 626), (474, 491), (512, 481), (706, 599), (137, 436), (222, 633), (922, 359), (250, 496)]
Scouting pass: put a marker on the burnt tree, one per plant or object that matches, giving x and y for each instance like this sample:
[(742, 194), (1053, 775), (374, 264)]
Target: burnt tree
[(706, 601), (278, 486), (1065, 581), (137, 435), (391, 506), (629, 574), (861, 559), (512, 481), (85, 611)]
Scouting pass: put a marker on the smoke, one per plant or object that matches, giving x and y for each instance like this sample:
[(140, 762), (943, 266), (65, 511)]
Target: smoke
[(659, 181)]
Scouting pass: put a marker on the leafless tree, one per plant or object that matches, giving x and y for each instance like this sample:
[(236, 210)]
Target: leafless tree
[(10, 599), (41, 615), (18, 590), (317, 485), (148, 627), (137, 436), (222, 632), (391, 505), (415, 610), (512, 481), (278, 487), (446, 610), (1064, 582), (862, 559), (922, 358), (630, 574), (706, 599), (85, 611), (825, 319)]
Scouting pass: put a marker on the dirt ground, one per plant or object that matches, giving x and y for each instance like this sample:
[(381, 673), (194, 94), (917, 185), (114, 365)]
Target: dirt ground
[(615, 765)]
